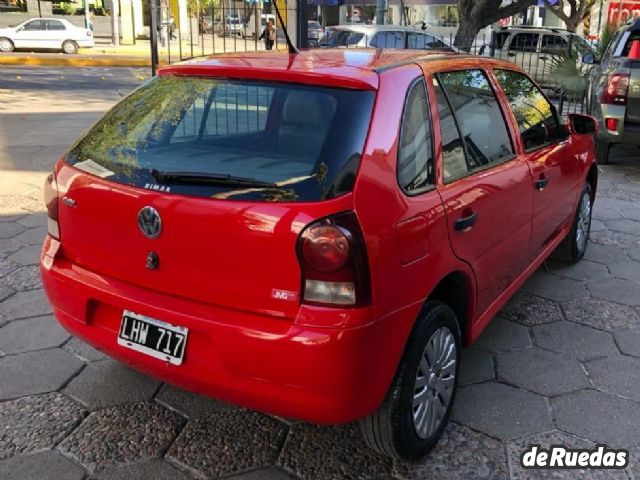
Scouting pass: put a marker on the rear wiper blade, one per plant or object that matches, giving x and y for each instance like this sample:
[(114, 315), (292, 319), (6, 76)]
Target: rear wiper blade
[(195, 178)]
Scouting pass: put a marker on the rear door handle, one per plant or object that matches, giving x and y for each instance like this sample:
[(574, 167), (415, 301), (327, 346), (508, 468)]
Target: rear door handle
[(465, 223), (541, 183)]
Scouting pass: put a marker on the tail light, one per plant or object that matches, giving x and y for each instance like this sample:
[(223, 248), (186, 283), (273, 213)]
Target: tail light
[(616, 90), (51, 202), (634, 51), (333, 259), (611, 124)]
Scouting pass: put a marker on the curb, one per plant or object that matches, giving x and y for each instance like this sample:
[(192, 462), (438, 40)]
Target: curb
[(68, 61)]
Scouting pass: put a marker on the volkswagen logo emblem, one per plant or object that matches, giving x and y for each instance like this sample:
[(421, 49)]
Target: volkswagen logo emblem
[(149, 222)]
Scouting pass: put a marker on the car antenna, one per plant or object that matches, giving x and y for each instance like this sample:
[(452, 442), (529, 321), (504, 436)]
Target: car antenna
[(292, 49)]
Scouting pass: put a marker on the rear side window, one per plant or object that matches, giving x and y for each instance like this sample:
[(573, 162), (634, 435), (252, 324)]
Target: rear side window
[(536, 118), (499, 39), (421, 41), (340, 38), (524, 42), (262, 141), (454, 160), (55, 25), (479, 117), (388, 40), (554, 44), (415, 154)]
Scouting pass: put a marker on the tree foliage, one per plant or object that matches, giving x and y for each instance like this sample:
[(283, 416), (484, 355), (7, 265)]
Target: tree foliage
[(578, 10), (477, 14)]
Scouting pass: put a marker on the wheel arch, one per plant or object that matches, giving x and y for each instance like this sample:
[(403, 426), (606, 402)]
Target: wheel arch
[(592, 180)]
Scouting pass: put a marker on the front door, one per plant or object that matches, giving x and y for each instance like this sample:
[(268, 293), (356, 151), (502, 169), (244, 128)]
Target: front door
[(485, 186), (31, 35), (555, 169)]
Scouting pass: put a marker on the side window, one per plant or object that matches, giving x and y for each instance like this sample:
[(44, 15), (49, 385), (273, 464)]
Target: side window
[(453, 157), (536, 118), (423, 41), (499, 39), (479, 117), (554, 44), (415, 153), (391, 39), (55, 25), (35, 25), (524, 42)]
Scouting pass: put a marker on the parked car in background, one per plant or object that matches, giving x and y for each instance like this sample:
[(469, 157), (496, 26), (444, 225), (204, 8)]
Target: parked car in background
[(382, 36), (46, 34), (534, 49), (207, 24), (314, 33), (613, 95), (231, 26), (316, 235)]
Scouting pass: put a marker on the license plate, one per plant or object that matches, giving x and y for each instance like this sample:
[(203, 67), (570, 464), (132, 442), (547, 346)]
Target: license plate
[(153, 337)]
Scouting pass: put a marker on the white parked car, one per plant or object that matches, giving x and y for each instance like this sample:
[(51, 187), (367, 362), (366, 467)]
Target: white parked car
[(46, 34), (383, 36)]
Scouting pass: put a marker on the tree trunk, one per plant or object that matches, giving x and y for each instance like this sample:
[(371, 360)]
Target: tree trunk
[(468, 29), (572, 24)]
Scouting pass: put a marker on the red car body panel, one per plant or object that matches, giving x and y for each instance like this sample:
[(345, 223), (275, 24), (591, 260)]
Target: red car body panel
[(217, 276)]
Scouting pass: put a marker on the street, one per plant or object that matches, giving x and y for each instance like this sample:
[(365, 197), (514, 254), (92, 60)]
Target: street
[(559, 365)]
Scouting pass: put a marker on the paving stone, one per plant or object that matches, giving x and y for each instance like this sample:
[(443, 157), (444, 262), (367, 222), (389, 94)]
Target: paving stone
[(554, 287), (190, 404), (629, 270), (34, 220), (7, 247), (263, 474), (583, 271), (616, 290), (605, 254), (5, 292), (616, 374), (614, 239), (601, 314), (12, 217), (42, 465), (530, 310), (476, 366), (7, 266), (150, 469), (460, 454), (83, 351), (26, 304), (502, 335), (628, 341), (634, 253), (122, 435), (501, 411), (632, 213), (229, 442), (29, 255), (32, 236), (321, 453), (624, 225), (32, 334), (10, 229), (602, 213), (598, 417), (36, 372), (36, 423), (24, 278), (634, 463), (545, 441), (597, 225), (574, 340), (109, 383), (541, 371)]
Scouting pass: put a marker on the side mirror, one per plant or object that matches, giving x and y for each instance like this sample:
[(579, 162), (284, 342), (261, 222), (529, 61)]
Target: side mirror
[(588, 59), (582, 124)]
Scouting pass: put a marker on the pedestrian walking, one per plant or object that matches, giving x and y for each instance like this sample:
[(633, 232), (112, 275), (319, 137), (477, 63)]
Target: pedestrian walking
[(269, 35)]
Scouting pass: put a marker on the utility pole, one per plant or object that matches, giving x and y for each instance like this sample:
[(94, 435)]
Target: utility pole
[(153, 35), (86, 13), (115, 31), (380, 11)]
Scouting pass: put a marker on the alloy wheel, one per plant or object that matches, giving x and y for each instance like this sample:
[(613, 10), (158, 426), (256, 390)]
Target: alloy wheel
[(583, 225)]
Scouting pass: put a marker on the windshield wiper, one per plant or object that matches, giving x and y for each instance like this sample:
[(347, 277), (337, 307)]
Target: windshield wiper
[(196, 178)]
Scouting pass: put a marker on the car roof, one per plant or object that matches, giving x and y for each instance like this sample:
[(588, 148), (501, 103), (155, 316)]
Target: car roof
[(525, 28), (357, 68), (358, 27)]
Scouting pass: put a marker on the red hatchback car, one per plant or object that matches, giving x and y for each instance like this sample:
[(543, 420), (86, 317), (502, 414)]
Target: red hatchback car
[(315, 235)]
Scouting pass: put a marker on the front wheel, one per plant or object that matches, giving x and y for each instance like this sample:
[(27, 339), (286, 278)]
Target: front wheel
[(602, 152), (69, 47), (418, 405), (574, 246)]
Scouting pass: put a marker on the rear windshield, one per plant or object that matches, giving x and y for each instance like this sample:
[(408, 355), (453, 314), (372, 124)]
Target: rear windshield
[(272, 141)]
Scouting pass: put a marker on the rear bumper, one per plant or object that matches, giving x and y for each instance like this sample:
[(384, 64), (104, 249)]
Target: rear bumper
[(323, 375), (627, 132)]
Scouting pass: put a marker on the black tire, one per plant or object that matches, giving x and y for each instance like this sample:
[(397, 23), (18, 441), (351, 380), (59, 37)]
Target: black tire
[(69, 47), (574, 246), (602, 152), (6, 45), (391, 429)]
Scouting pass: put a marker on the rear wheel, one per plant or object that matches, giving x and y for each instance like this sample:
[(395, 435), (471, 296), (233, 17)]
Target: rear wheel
[(6, 45), (69, 47), (602, 152), (418, 405), (574, 246)]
